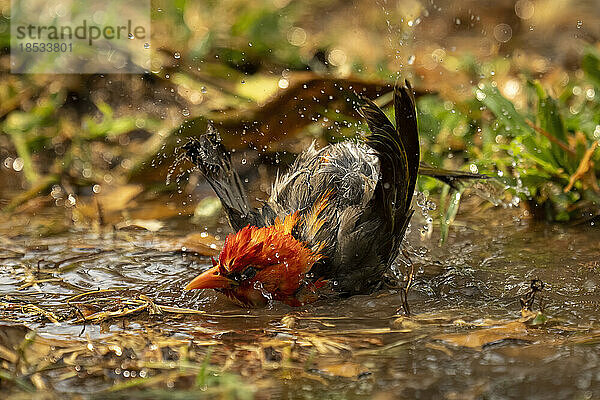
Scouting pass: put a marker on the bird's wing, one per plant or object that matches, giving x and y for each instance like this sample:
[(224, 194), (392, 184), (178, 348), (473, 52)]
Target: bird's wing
[(406, 129), (369, 235), (214, 162), (398, 151)]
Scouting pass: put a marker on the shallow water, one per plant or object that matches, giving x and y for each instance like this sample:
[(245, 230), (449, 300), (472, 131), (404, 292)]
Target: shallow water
[(473, 281)]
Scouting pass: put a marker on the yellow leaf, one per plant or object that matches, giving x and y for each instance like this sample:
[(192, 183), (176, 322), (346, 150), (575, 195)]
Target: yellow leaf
[(480, 337), (344, 370)]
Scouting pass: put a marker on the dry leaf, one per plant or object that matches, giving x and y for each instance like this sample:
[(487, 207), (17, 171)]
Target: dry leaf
[(151, 225), (107, 206), (117, 197), (201, 243), (344, 370), (405, 323), (480, 337)]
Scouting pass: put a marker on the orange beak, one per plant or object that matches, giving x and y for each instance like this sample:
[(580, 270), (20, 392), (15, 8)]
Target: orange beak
[(210, 279)]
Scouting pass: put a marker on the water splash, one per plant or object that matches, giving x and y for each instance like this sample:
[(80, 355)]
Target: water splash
[(392, 32), (179, 158), (425, 205), (266, 294)]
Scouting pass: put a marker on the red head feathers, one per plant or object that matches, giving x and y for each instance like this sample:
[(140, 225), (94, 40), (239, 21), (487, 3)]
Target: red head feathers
[(259, 264)]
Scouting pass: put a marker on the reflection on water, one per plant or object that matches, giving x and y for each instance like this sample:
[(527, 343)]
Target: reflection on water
[(479, 275)]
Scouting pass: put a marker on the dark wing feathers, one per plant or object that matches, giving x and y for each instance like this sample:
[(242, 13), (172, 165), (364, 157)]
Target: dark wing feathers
[(398, 151), (406, 127), (214, 162)]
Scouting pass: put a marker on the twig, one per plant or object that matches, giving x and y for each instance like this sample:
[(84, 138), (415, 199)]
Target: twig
[(551, 138), (389, 346), (77, 310), (527, 301), (34, 310), (584, 166), (77, 296), (409, 282)]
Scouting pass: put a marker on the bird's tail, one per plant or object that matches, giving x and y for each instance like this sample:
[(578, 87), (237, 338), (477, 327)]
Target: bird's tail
[(398, 149), (214, 162)]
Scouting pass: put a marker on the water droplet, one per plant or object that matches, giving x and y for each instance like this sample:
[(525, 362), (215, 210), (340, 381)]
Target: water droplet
[(18, 164), (177, 55), (130, 36), (502, 33), (146, 45), (524, 9), (283, 83)]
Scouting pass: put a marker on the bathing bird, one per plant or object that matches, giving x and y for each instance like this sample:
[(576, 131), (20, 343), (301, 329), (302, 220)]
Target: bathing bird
[(334, 222)]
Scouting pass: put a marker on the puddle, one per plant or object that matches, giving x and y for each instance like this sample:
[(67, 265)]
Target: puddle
[(359, 347)]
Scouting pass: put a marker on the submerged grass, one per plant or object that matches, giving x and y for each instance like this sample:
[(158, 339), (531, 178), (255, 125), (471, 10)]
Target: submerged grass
[(149, 363), (133, 341), (133, 366)]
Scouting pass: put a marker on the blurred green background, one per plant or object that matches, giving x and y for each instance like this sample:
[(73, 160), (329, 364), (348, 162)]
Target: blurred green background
[(506, 88)]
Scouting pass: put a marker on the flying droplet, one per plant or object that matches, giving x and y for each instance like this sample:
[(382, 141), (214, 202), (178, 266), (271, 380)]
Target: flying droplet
[(18, 164), (502, 33)]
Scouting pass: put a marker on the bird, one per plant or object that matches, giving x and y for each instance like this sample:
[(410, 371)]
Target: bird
[(334, 222)]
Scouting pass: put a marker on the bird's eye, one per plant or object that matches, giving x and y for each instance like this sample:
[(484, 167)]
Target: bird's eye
[(248, 273)]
